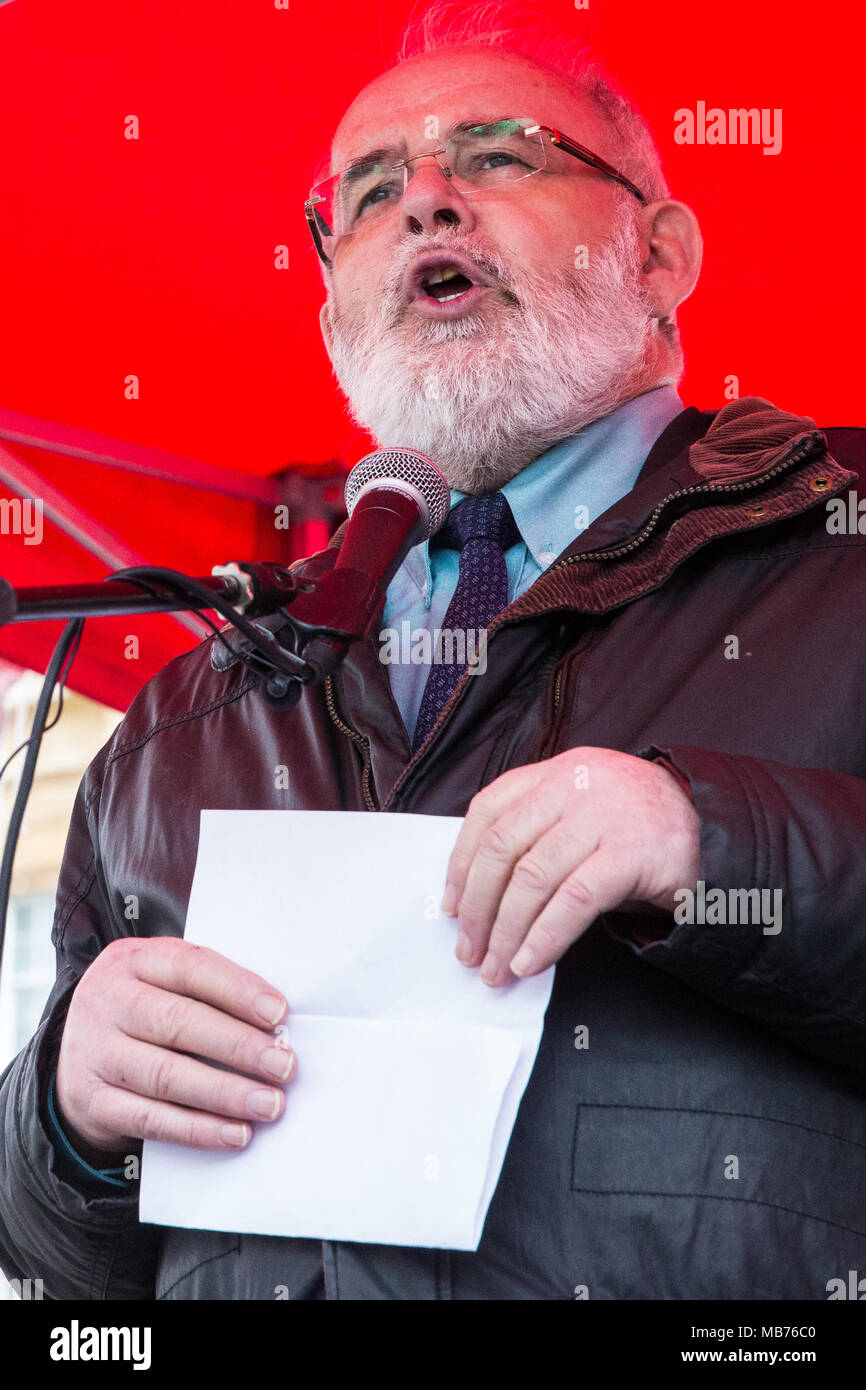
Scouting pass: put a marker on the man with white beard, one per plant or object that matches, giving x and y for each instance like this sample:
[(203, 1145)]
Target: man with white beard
[(567, 315), (661, 602), (466, 388)]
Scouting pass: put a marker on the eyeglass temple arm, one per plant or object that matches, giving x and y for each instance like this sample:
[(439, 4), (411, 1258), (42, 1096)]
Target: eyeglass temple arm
[(581, 152), (310, 214)]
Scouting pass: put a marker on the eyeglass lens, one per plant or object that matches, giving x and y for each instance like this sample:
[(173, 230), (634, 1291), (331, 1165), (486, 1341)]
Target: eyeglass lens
[(479, 158)]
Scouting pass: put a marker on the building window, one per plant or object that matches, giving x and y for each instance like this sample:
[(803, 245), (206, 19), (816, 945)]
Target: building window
[(28, 971)]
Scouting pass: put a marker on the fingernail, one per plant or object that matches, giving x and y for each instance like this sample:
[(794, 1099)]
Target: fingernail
[(235, 1136), (524, 962), (464, 947), (279, 1063), (264, 1103), (270, 1008), (449, 900), (489, 969)]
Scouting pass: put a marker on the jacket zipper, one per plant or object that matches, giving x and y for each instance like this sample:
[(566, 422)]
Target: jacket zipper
[(781, 467), (614, 553), (557, 692), (359, 739)]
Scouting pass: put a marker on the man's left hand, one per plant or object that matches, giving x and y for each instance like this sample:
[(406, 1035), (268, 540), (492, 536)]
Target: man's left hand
[(546, 848)]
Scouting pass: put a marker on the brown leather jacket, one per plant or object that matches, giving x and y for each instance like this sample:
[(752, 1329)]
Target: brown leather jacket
[(716, 1041)]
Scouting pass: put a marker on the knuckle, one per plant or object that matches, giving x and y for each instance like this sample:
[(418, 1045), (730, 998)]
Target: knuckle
[(161, 1077), (485, 802), (241, 1051), (188, 1132), (146, 1121), (95, 1107), (458, 864), (172, 1019), (470, 914), (531, 874), (137, 950), (481, 800), (182, 957), (496, 843), (122, 948), (111, 953), (576, 893), (113, 961), (131, 1006)]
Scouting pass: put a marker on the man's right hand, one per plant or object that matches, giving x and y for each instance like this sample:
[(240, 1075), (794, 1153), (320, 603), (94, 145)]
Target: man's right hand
[(123, 1074)]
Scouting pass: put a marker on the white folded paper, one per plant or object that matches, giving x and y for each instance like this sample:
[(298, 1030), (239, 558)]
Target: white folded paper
[(410, 1069)]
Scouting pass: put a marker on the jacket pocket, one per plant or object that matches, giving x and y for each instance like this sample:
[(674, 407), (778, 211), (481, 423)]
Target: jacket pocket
[(781, 1165)]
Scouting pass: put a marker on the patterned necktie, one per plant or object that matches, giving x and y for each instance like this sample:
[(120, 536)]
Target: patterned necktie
[(481, 528)]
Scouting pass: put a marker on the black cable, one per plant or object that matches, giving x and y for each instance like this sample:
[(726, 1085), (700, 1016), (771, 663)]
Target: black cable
[(67, 646), (61, 686), (288, 663)]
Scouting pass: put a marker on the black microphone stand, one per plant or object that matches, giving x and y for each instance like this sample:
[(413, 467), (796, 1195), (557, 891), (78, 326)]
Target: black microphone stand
[(303, 648)]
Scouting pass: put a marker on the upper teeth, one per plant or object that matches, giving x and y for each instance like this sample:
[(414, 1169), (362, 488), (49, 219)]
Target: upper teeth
[(445, 273)]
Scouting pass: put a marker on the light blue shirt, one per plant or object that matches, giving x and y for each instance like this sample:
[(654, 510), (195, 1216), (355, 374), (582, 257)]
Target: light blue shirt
[(552, 500)]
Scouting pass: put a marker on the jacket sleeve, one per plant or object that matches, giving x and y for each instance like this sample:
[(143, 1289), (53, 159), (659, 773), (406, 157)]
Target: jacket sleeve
[(797, 964), (80, 1235)]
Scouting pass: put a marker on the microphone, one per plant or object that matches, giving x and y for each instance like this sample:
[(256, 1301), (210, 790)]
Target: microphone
[(395, 498)]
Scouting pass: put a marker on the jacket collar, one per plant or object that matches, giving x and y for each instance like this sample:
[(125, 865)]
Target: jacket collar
[(723, 456), (739, 443), (752, 465), (707, 475)]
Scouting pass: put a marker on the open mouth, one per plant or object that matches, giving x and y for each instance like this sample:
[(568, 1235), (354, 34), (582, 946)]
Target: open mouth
[(446, 279), (446, 284)]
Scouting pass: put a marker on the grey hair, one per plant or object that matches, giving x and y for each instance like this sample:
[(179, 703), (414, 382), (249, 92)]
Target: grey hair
[(521, 28)]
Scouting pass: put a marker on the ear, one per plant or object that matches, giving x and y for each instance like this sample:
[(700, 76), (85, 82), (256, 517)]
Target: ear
[(325, 326), (672, 252)]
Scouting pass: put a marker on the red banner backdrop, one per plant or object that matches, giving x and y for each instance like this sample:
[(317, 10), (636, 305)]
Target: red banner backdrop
[(155, 259)]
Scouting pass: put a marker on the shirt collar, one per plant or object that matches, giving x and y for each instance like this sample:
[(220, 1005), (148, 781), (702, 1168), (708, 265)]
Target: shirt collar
[(591, 469)]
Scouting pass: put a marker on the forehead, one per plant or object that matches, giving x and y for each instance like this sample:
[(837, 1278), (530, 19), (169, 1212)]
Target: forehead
[(435, 90)]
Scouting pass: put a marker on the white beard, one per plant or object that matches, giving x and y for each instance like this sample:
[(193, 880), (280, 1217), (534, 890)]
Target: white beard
[(485, 394)]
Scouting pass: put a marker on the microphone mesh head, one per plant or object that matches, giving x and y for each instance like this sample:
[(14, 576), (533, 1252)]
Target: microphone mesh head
[(405, 470)]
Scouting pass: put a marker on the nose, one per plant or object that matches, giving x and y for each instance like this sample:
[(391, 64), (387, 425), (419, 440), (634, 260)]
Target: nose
[(431, 201)]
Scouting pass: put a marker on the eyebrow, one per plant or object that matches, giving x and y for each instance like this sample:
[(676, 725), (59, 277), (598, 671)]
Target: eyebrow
[(357, 166), (384, 153)]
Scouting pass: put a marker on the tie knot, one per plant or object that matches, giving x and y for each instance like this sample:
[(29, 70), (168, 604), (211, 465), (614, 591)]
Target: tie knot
[(487, 517)]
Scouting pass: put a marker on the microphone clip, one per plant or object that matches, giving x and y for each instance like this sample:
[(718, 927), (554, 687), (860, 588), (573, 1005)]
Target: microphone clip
[(327, 614)]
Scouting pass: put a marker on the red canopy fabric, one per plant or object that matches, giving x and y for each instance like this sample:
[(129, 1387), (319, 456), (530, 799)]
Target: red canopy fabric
[(89, 506), (157, 258)]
